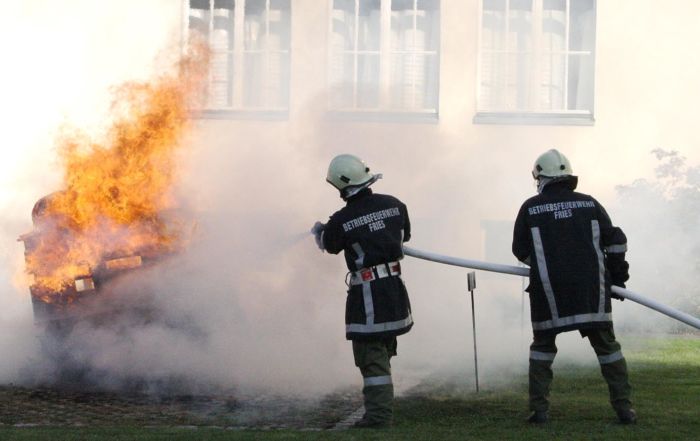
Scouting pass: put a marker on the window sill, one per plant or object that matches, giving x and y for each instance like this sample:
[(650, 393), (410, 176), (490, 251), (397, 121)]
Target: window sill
[(423, 117), (534, 118), (259, 115)]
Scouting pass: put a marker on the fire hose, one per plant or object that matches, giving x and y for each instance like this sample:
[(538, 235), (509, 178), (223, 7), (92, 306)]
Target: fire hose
[(523, 271)]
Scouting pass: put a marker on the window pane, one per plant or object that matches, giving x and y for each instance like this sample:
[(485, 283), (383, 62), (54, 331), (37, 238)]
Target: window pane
[(265, 82), (357, 60), (402, 78), (255, 7), (222, 38), (401, 5), (520, 25), (221, 87), (552, 82), (341, 79), (554, 5), (428, 22), (199, 20), (254, 25), (535, 70), (262, 69), (267, 30), (520, 5), (199, 4), (413, 71), (519, 70), (554, 26), (430, 90), (266, 35), (279, 80), (368, 25), (492, 81), (415, 30), (494, 25), (343, 25), (580, 85), (414, 81), (280, 26), (402, 35), (223, 4), (347, 6), (582, 23), (494, 5), (368, 81), (253, 80)]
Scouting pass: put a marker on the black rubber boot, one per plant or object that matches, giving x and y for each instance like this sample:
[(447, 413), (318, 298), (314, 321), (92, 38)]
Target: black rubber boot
[(627, 416), (538, 417), (366, 423)]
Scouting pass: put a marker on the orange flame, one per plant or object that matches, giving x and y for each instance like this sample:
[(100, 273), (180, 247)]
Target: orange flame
[(118, 188)]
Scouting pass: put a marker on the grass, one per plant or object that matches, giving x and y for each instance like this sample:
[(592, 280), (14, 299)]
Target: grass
[(665, 374)]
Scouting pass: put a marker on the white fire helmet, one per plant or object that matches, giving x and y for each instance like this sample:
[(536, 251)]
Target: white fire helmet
[(350, 174), (551, 164)]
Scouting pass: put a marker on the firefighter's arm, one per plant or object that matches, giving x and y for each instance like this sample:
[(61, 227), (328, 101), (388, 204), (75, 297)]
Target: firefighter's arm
[(406, 226), (317, 231), (330, 238), (614, 244), (521, 238), (615, 247)]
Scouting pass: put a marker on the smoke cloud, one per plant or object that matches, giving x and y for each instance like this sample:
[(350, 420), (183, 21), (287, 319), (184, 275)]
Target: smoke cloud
[(253, 304)]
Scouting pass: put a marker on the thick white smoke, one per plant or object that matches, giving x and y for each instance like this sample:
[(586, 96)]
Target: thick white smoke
[(253, 303), (660, 214)]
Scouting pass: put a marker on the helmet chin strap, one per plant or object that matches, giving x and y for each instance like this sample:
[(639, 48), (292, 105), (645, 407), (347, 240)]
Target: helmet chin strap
[(542, 181), (349, 192)]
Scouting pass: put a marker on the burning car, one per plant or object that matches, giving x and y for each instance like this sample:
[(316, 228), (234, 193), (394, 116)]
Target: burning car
[(70, 266), (117, 210)]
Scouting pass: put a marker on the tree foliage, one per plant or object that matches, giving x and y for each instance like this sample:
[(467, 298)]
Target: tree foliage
[(663, 231)]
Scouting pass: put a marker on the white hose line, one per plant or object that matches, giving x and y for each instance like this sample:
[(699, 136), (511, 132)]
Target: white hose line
[(523, 271)]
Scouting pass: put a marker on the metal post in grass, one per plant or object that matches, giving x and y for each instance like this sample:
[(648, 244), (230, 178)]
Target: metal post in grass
[(471, 285)]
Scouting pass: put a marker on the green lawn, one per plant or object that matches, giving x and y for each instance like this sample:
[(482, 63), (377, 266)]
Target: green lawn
[(665, 375)]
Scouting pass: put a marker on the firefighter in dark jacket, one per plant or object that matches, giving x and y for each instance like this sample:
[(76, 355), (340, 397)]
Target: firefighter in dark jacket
[(575, 254), (370, 229)]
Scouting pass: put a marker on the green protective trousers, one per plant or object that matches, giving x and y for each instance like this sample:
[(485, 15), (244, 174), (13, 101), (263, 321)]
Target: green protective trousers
[(373, 358), (612, 365)]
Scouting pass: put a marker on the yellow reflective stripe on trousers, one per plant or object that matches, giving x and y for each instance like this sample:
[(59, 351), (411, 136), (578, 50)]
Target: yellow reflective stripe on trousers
[(610, 358), (378, 381), (572, 320), (542, 356)]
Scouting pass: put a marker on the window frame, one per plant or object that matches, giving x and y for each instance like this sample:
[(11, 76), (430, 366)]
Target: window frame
[(384, 112), (534, 116), (238, 110)]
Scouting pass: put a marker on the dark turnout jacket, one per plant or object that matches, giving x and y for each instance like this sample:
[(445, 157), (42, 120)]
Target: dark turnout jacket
[(371, 229), (574, 253)]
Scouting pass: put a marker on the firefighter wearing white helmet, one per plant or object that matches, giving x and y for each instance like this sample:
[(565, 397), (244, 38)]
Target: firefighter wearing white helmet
[(370, 229), (349, 174), (575, 255), (552, 166)]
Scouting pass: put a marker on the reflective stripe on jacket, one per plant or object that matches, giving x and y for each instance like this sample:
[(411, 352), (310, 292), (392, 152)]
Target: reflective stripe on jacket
[(371, 230), (571, 246)]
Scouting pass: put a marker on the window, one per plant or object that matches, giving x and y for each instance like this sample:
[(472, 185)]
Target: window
[(250, 45), (384, 56), (536, 61)]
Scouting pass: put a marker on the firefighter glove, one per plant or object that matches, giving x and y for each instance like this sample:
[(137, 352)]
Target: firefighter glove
[(617, 296), (317, 231)]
